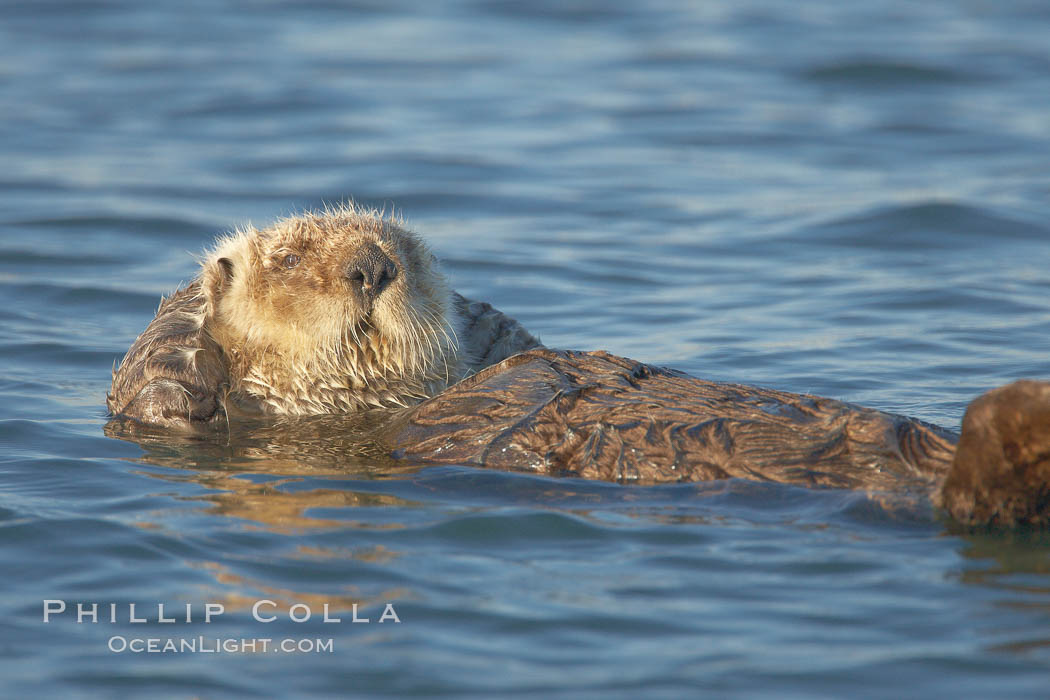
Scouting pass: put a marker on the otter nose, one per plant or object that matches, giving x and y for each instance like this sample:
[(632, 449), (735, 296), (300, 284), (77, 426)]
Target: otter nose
[(371, 271)]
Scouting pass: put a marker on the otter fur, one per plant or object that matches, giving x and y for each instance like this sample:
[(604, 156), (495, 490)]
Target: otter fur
[(343, 311), (329, 312)]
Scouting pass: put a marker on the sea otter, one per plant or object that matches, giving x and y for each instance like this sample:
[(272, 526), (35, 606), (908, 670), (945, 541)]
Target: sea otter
[(345, 312), (330, 312)]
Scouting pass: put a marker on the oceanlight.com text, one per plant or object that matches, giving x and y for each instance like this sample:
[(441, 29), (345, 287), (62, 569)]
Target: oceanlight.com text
[(218, 645)]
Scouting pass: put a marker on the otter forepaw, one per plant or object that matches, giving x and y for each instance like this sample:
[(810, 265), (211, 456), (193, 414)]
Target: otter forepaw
[(172, 403)]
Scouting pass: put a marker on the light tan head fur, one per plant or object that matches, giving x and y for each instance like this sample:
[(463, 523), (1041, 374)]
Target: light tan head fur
[(300, 336)]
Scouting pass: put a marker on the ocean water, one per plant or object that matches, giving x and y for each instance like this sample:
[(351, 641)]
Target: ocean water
[(845, 199)]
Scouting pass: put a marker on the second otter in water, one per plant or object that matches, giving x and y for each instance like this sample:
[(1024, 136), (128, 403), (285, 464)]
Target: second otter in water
[(343, 311), (322, 313)]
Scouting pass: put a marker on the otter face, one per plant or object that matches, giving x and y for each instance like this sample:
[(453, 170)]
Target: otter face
[(344, 291)]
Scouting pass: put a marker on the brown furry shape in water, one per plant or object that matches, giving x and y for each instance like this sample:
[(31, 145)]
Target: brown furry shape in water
[(343, 312)]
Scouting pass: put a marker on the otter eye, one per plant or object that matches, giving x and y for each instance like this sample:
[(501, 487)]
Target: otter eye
[(290, 260)]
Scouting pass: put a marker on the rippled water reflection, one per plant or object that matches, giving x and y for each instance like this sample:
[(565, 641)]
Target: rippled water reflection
[(843, 199)]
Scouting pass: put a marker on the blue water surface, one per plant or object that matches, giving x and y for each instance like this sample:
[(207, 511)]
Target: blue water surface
[(845, 199)]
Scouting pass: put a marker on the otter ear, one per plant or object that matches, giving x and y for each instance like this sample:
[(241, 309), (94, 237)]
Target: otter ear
[(227, 269), (216, 279)]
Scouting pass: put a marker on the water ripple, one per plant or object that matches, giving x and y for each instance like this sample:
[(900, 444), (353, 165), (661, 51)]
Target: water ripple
[(870, 74)]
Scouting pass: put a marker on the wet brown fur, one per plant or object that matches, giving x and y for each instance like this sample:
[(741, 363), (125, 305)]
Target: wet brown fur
[(251, 336), (599, 416)]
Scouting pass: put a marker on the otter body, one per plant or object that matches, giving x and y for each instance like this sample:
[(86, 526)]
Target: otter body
[(343, 312), (322, 313), (598, 416)]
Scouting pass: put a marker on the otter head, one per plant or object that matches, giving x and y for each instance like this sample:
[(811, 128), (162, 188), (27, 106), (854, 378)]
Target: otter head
[(331, 312)]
